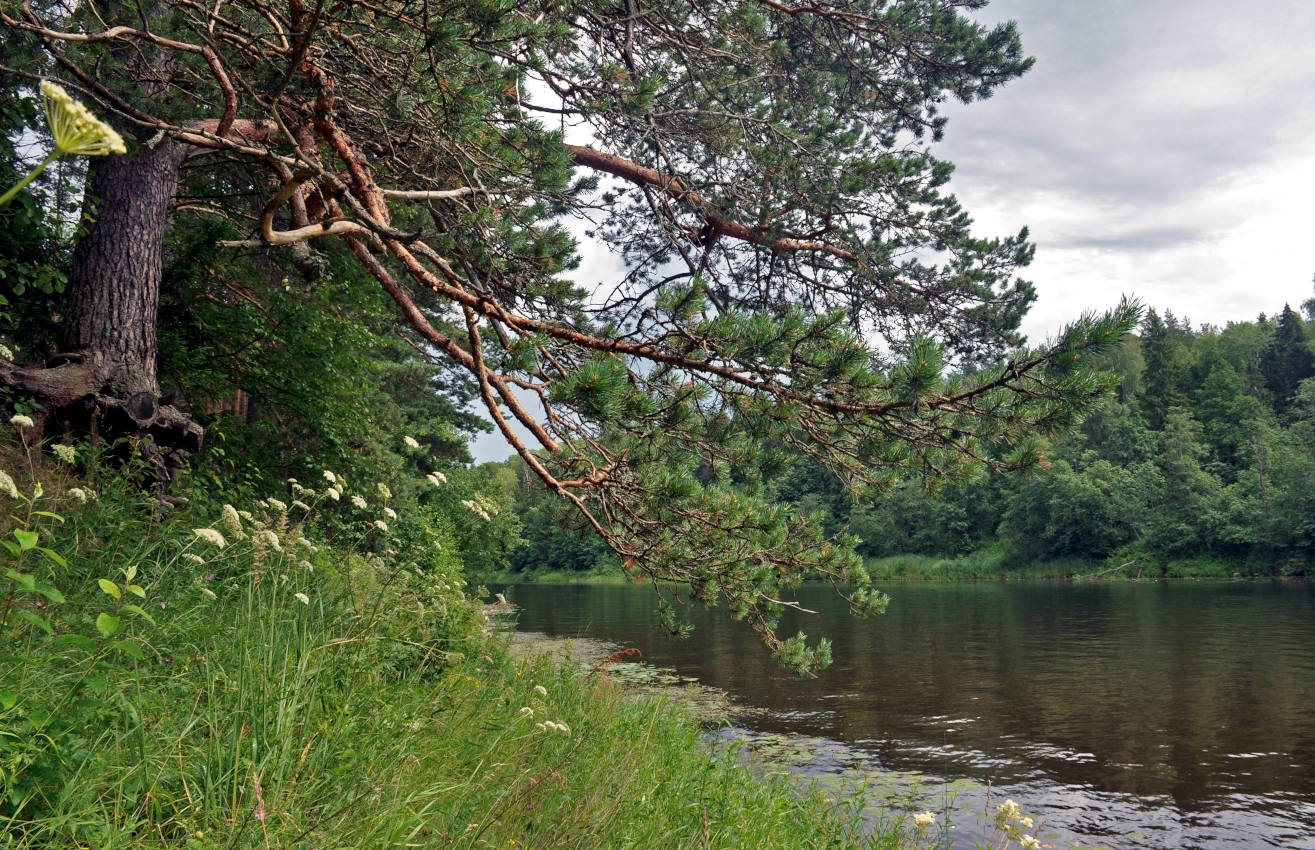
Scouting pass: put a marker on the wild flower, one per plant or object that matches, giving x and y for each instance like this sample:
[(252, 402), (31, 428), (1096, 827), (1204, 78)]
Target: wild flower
[(310, 568), (381, 525), (298, 503), (923, 820), (411, 442), (1029, 842), (78, 493), (270, 539), (303, 598), (436, 478), (553, 726), (384, 492), (298, 490), (208, 592), (1025, 823), (527, 712), (330, 477), (1008, 812), (277, 505), (311, 547), (231, 521), (359, 502), (65, 453), (246, 515), (7, 485), (209, 535), (541, 690), (390, 513), (74, 128), (5, 352), (21, 421), (194, 558), (333, 494)]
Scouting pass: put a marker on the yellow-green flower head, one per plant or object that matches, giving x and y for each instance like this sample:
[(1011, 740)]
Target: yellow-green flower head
[(75, 129), (65, 452), (7, 485)]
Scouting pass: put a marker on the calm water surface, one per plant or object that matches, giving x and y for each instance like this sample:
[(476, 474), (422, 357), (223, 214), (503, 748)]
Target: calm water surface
[(1128, 715)]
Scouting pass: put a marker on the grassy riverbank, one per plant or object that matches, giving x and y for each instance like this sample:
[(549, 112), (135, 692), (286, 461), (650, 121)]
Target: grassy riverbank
[(157, 690)]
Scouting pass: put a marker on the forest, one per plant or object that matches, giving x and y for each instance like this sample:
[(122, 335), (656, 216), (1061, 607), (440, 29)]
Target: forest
[(1199, 465)]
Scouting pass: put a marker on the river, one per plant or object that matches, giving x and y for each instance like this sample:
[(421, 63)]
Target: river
[(1126, 715)]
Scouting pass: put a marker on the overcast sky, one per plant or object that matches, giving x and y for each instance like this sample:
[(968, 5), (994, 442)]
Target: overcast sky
[(1164, 149), (1160, 148)]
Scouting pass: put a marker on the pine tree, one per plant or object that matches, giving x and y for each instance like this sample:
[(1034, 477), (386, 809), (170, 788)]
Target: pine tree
[(798, 276)]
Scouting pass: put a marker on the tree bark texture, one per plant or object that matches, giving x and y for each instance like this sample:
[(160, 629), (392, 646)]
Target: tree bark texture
[(114, 286)]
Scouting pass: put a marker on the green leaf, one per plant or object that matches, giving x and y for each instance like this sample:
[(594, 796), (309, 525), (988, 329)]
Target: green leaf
[(54, 556), (110, 587), (11, 546), (26, 539), (129, 647), (25, 581), (136, 590), (50, 593), (130, 573), (133, 609), (55, 517), (8, 699), (107, 625), (80, 641), (36, 621)]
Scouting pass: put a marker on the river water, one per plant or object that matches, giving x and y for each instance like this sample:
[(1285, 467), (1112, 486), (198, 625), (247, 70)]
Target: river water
[(1127, 715)]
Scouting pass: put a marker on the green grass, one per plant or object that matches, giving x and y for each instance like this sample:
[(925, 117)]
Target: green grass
[(371, 711)]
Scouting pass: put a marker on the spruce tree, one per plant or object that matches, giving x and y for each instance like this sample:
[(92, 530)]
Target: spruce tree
[(1288, 360)]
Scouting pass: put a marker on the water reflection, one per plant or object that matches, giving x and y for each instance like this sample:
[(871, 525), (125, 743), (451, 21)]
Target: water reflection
[(1182, 713)]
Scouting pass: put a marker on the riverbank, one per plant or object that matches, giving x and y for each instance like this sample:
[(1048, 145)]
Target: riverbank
[(983, 565), (276, 691)]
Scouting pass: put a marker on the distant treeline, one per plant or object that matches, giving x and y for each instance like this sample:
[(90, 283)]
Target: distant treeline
[(1203, 462)]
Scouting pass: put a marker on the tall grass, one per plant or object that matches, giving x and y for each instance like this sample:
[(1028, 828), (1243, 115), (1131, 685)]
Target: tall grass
[(269, 695)]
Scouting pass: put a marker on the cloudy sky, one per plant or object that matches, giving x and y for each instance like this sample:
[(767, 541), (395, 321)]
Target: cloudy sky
[(1160, 148), (1164, 149)]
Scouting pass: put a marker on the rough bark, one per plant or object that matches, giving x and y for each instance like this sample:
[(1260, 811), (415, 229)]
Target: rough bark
[(104, 378), (114, 285)]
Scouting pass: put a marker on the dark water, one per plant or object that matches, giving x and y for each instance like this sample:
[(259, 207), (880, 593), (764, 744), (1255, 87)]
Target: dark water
[(1127, 715)]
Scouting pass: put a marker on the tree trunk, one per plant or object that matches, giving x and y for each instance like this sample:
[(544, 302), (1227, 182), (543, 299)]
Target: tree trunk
[(114, 288), (106, 369)]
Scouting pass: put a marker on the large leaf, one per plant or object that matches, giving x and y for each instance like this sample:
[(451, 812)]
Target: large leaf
[(107, 625)]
